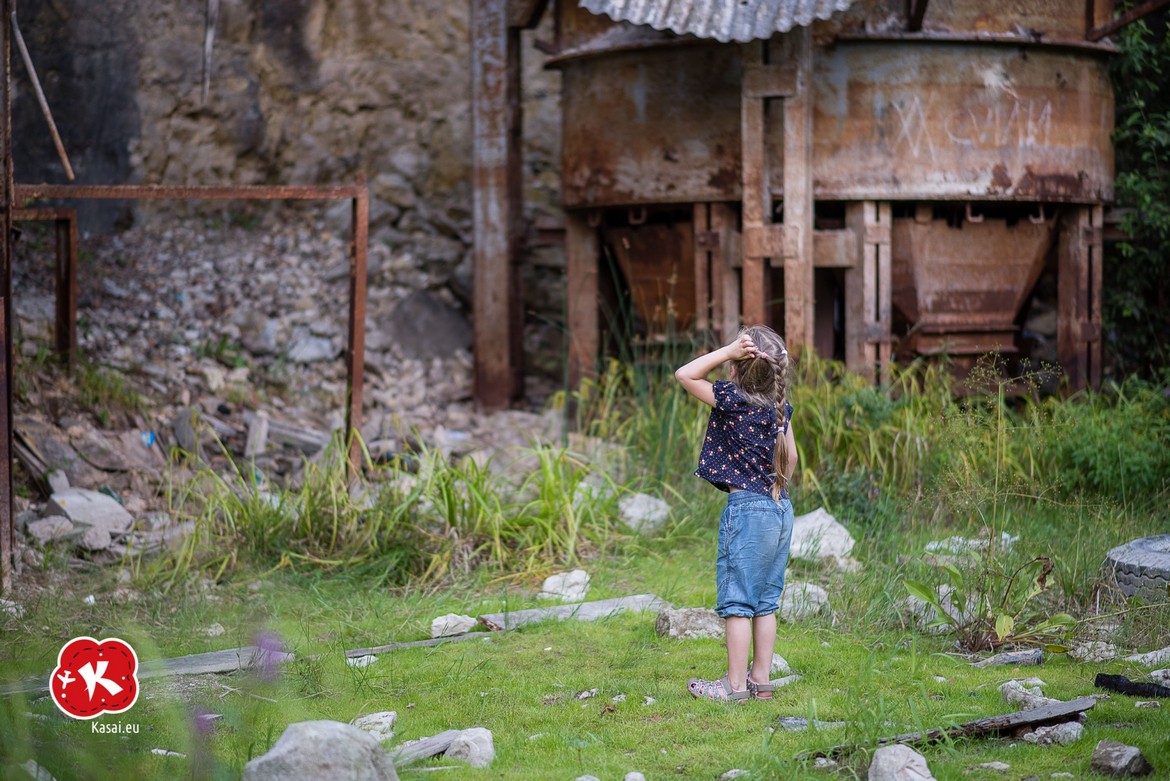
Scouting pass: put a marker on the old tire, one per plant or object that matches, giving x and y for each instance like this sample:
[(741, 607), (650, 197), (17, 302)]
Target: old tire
[(1141, 568)]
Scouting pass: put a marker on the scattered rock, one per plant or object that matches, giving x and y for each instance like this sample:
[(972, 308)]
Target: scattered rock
[(1151, 659), (587, 778), (817, 536), (649, 700), (422, 312), (474, 746), (1117, 759), (379, 725), (802, 600), (633, 776), (898, 763), (92, 508), (1016, 658), (1147, 704), (58, 481), (361, 661), (824, 763), (689, 623), (925, 616), (735, 772), (322, 749), (1062, 734), (566, 586), (452, 624), (215, 630), (587, 694), (163, 752), (1094, 652), (780, 666), (1000, 767), (12, 609), (643, 513), (618, 698), (312, 349), (49, 529), (960, 545), (1161, 676), (1017, 694)]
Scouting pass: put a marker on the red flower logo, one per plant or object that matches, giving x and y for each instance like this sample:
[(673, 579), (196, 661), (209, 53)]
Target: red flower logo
[(94, 677)]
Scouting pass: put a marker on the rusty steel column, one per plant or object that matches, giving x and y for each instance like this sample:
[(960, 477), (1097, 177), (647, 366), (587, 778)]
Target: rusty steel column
[(7, 510), (355, 353), (581, 260), (757, 191), (799, 302), (724, 276), (496, 126), (1078, 308), (65, 330)]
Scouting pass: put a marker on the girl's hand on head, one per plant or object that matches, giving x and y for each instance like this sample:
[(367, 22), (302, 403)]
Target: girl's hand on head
[(742, 347)]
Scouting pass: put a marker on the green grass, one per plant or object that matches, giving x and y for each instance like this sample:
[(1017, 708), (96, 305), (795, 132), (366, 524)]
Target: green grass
[(327, 572)]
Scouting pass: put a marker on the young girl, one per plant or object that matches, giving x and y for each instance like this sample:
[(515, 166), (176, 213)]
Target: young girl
[(749, 452)]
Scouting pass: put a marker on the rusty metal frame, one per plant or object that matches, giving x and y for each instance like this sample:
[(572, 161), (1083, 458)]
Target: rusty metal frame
[(1126, 19), (66, 286)]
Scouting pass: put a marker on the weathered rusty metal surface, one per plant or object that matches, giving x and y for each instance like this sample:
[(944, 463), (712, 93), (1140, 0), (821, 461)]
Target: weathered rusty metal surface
[(657, 261), (955, 121), (658, 127), (355, 351), (891, 121), (967, 282), (7, 516), (742, 21), (1040, 18)]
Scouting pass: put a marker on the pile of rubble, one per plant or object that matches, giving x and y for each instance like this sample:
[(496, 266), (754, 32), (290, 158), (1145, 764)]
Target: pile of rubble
[(229, 343)]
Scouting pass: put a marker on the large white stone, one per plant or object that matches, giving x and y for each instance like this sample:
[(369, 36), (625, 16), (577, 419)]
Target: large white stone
[(818, 536), (1062, 734), (1016, 693), (643, 513), (92, 508), (898, 763), (50, 529), (379, 725), (689, 623), (1151, 659), (1117, 759), (566, 586), (474, 746), (452, 624), (323, 749)]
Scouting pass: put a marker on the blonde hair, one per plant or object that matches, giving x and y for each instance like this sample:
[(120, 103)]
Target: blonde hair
[(763, 381)]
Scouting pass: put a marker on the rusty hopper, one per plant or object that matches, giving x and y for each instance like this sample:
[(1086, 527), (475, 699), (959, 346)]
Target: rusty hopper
[(894, 175)]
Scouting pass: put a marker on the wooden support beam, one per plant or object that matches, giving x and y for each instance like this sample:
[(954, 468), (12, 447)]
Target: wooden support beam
[(757, 197), (582, 252), (799, 302), (496, 211), (724, 274), (1096, 216), (917, 12), (704, 241), (868, 291), (525, 14), (65, 293), (1074, 279)]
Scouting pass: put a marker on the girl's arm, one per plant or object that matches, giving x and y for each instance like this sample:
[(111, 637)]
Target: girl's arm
[(693, 376), (790, 443)]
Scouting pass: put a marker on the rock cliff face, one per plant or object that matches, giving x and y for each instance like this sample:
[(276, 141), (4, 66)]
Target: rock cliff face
[(300, 91)]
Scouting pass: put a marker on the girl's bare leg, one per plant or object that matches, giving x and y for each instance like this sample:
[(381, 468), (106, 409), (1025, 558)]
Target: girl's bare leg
[(739, 640), (764, 643)]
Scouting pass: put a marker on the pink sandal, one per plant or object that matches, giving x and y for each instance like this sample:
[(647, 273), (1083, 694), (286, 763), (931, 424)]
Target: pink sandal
[(719, 691), (760, 691)]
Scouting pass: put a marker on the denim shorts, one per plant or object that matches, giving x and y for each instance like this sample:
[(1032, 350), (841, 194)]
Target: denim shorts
[(754, 536)]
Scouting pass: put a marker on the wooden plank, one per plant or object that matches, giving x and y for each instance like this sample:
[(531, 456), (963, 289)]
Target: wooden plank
[(581, 258), (757, 198), (1072, 282), (835, 249), (580, 611), (878, 230), (227, 661), (425, 748), (768, 81), (769, 241), (799, 314), (701, 223), (495, 114), (1096, 261), (1034, 717), (525, 14), (724, 274), (856, 347)]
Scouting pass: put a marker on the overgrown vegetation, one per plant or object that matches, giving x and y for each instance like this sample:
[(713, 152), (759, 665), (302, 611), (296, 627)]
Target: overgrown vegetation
[(1136, 306)]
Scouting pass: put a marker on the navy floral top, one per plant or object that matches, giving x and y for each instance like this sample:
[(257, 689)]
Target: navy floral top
[(740, 445)]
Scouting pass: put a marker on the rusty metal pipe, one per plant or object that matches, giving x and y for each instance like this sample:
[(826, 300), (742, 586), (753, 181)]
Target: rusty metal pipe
[(1126, 19), (7, 511), (356, 352), (41, 101)]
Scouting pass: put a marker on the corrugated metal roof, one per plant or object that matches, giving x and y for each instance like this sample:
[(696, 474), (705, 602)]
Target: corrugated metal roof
[(723, 20)]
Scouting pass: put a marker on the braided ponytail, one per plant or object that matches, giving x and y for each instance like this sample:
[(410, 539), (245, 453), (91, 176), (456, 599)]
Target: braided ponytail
[(763, 381)]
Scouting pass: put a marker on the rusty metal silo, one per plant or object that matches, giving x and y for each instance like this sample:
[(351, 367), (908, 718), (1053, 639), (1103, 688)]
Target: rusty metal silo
[(836, 168)]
